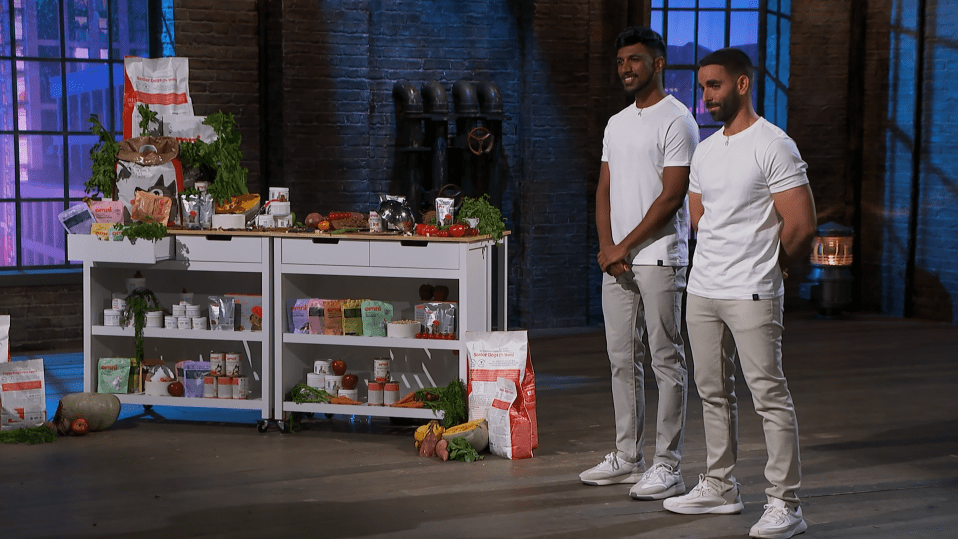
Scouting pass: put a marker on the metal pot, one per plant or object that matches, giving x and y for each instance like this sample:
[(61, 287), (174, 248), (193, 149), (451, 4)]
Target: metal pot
[(398, 215)]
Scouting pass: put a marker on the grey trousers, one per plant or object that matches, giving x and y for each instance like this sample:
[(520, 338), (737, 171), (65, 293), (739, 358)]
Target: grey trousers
[(648, 300), (718, 331)]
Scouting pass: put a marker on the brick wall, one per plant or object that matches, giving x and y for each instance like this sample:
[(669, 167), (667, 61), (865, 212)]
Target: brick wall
[(326, 127), (44, 318)]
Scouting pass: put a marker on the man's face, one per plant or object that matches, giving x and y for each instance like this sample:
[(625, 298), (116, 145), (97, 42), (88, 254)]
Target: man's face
[(637, 67), (719, 93)]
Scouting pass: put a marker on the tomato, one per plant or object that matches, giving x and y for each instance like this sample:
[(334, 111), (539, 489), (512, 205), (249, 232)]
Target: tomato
[(458, 230), (339, 215), (473, 232), (442, 233), (421, 229), (79, 426), (176, 389), (430, 230)]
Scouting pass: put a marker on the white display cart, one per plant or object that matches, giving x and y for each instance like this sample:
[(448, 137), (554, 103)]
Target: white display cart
[(390, 269), (204, 264)]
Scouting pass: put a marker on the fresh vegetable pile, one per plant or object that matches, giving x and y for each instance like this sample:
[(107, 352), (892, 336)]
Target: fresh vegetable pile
[(450, 399), (490, 218), (431, 441), (34, 435)]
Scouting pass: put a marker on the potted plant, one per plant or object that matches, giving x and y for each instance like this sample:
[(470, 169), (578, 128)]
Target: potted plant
[(138, 303)]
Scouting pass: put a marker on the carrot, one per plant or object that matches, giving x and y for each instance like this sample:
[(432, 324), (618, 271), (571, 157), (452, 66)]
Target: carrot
[(343, 400), (408, 398), (413, 404)]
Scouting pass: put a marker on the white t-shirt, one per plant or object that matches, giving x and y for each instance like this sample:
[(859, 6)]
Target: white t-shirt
[(638, 145), (736, 255)]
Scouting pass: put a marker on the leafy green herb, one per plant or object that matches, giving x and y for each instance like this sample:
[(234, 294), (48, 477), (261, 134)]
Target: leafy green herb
[(32, 435), (222, 155), (138, 303), (460, 449), (147, 117), (490, 218), (450, 399), (304, 393), (150, 231), (103, 156)]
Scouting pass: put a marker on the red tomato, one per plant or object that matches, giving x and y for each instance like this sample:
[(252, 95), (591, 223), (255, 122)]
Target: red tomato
[(176, 389), (442, 233), (80, 427), (458, 230)]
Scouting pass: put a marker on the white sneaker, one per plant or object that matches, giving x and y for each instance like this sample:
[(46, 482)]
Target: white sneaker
[(658, 482), (707, 497), (611, 471), (779, 521)]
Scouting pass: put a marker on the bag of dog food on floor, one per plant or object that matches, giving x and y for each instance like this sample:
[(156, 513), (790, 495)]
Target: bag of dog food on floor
[(510, 429), (506, 354), (23, 399)]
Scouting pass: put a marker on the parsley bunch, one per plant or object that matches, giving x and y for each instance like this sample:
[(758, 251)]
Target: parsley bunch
[(222, 155)]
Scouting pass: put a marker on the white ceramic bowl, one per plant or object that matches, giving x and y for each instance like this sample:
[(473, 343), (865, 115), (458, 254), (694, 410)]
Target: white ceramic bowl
[(403, 329)]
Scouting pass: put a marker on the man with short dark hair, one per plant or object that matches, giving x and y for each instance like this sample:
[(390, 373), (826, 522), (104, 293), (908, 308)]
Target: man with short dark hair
[(754, 214), (643, 228)]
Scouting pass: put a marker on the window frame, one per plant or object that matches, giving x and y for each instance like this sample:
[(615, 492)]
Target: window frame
[(763, 13), (158, 41)]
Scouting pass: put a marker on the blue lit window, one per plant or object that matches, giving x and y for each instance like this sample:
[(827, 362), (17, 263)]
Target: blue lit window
[(694, 28), (60, 62)]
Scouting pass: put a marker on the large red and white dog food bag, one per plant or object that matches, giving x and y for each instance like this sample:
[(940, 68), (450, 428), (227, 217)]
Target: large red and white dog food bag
[(162, 84), (506, 355)]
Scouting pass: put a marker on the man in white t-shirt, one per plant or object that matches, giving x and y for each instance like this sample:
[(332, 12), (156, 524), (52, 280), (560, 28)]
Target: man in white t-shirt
[(753, 210), (643, 228)]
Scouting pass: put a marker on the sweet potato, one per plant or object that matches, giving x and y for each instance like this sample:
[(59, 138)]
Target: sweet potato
[(427, 448), (442, 450)]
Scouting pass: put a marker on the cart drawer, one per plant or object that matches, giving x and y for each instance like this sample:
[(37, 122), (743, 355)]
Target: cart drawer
[(89, 248), (219, 248), (414, 254), (325, 251)]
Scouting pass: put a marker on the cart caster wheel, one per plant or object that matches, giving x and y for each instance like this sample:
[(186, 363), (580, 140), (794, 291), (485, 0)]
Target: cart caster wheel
[(147, 407), (283, 426), (329, 416), (262, 426), (309, 414)]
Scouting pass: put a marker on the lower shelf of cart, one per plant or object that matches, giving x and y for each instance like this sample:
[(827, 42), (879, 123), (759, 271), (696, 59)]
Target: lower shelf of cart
[(362, 409), (153, 400), (360, 340)]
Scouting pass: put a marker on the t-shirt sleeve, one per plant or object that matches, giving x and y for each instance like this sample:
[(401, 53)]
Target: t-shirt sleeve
[(693, 175), (783, 165), (680, 141), (605, 144)]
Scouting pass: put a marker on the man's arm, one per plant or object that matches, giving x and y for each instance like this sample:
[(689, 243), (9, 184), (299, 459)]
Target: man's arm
[(696, 209), (796, 207), (603, 219), (675, 185)]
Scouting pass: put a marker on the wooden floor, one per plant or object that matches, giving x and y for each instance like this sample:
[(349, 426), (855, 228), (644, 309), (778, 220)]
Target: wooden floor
[(877, 401)]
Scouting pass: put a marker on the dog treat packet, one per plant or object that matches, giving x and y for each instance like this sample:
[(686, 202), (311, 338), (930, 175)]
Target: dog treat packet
[(375, 315), (353, 316), (149, 208), (107, 211), (332, 317), (221, 313), (113, 374)]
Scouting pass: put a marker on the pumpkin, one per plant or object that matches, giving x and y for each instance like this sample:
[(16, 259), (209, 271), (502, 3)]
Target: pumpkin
[(475, 432)]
